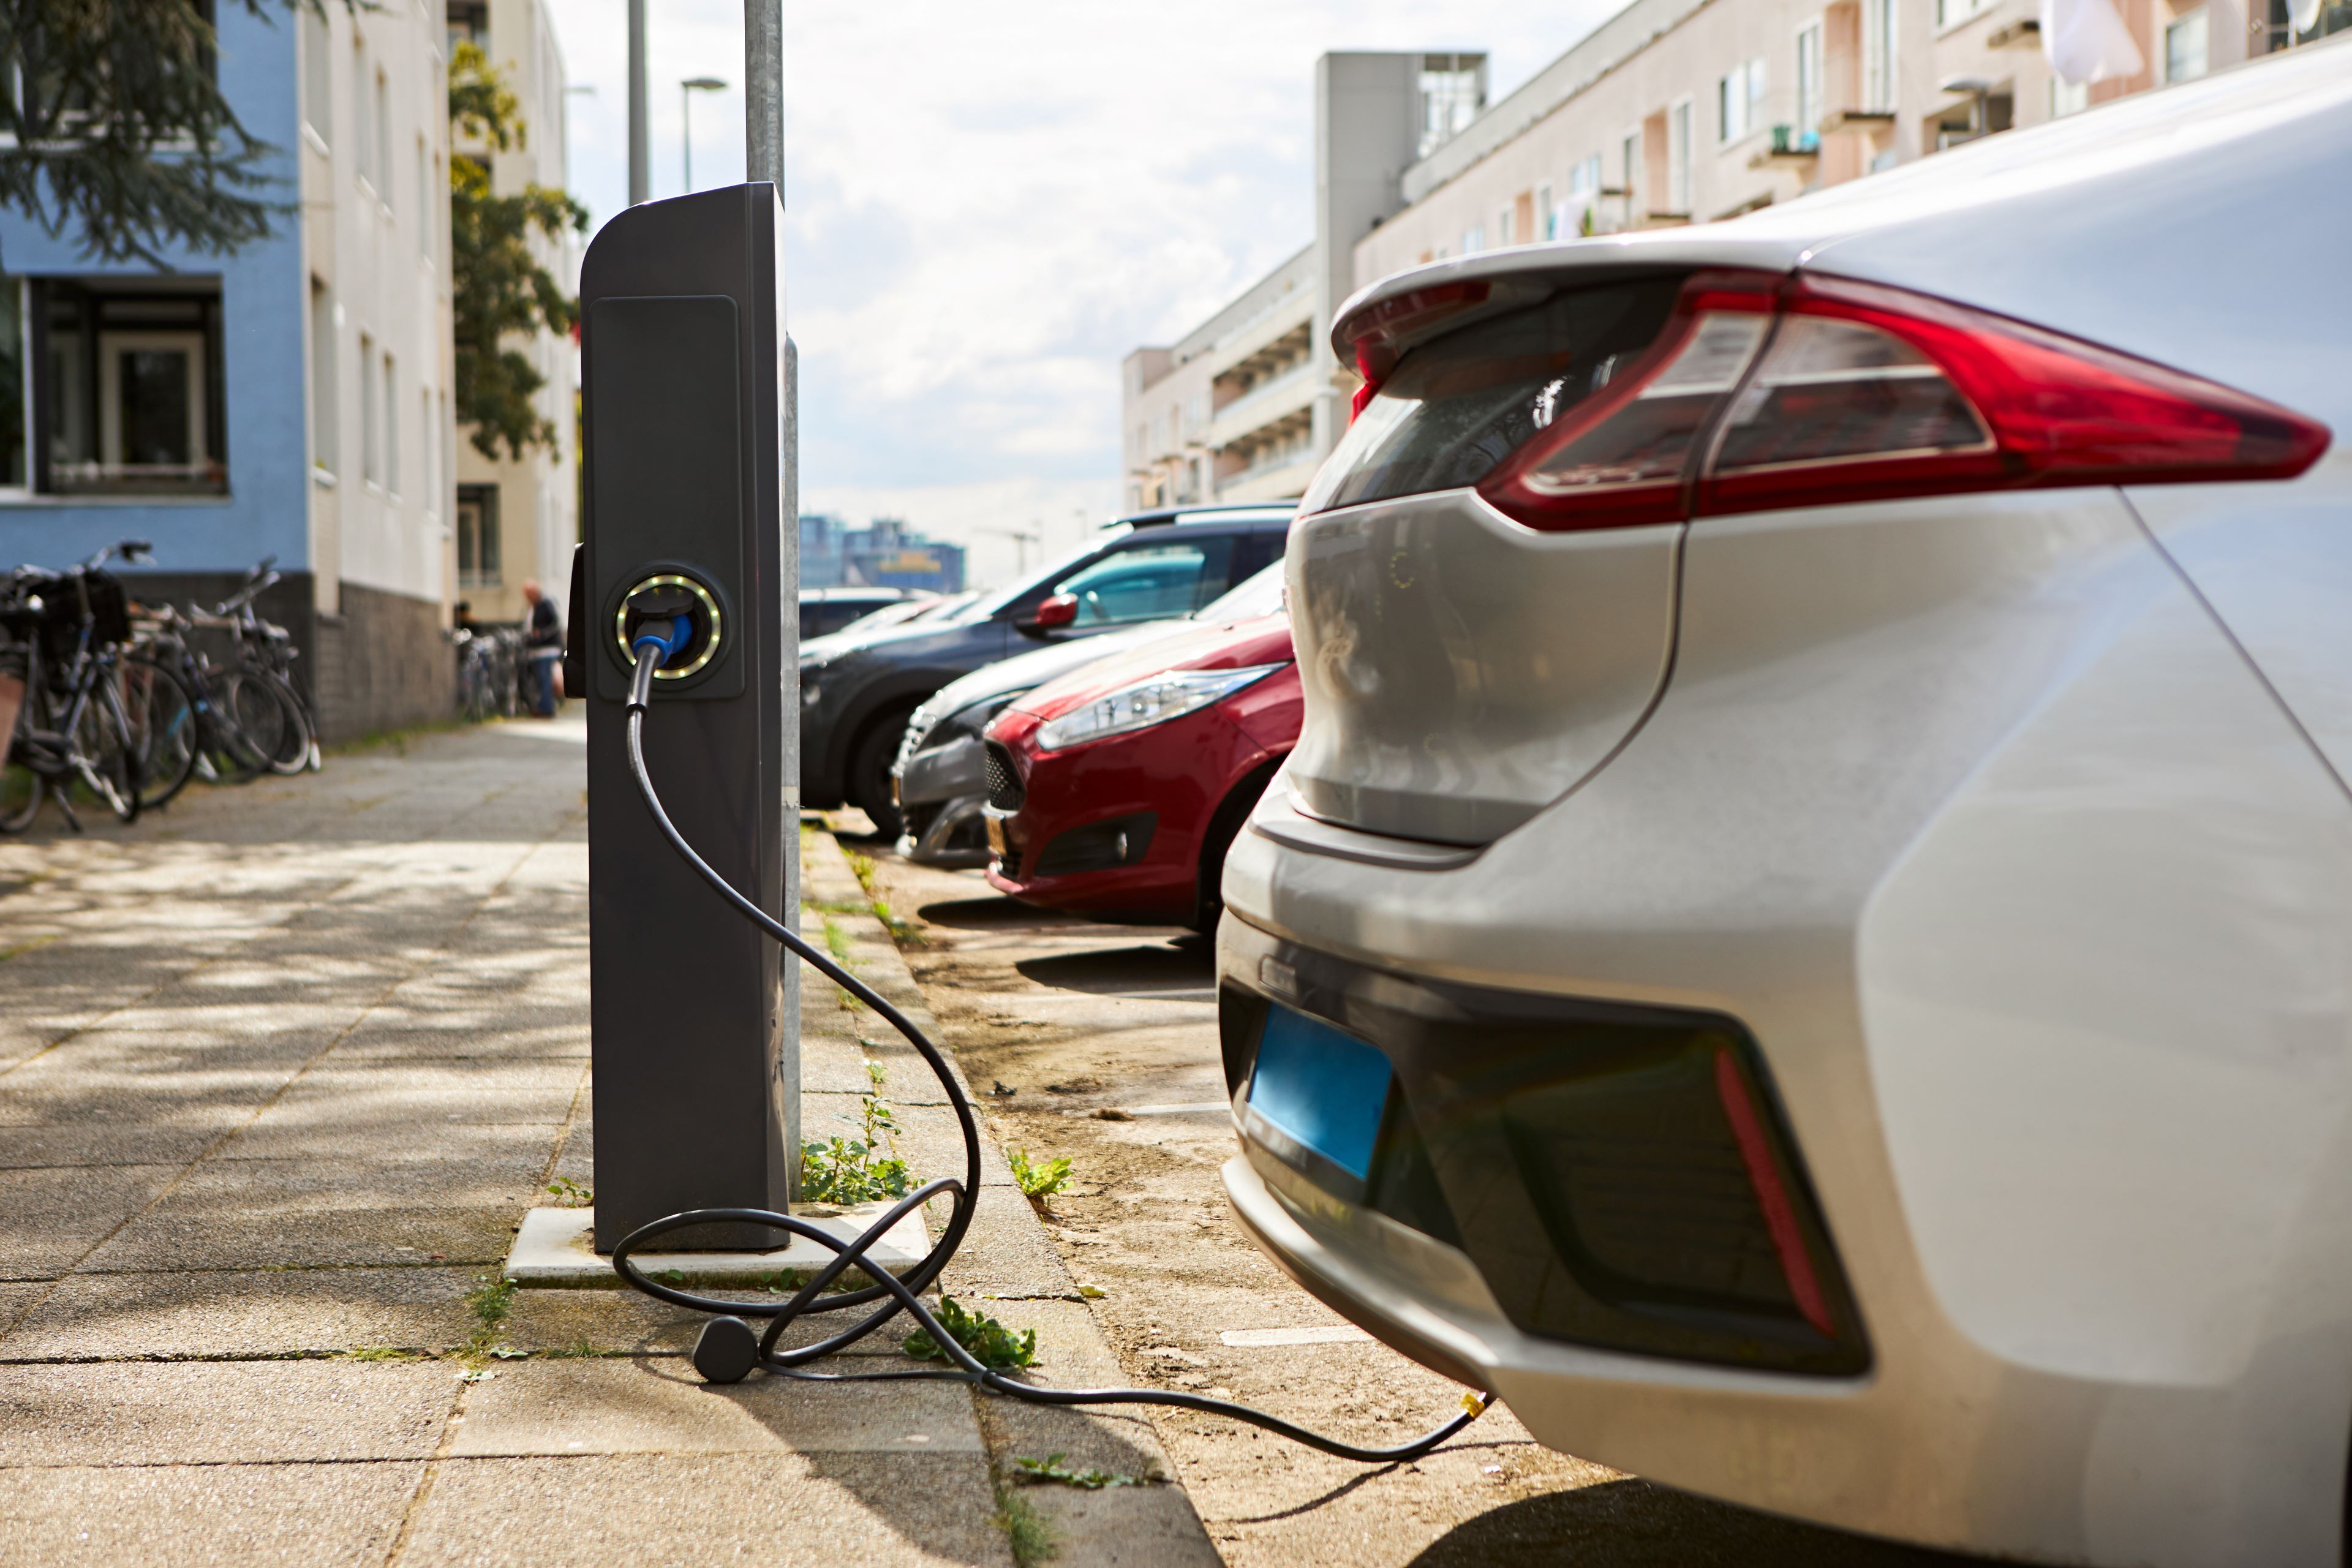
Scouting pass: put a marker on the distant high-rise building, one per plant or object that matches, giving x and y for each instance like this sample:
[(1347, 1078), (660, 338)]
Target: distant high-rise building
[(885, 554)]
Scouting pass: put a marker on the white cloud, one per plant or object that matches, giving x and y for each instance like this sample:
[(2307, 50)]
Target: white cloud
[(990, 205)]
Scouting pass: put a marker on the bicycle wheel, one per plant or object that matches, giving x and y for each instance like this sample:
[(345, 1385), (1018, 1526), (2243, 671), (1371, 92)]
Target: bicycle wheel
[(101, 751), (300, 752), (268, 718), (21, 789), (166, 730)]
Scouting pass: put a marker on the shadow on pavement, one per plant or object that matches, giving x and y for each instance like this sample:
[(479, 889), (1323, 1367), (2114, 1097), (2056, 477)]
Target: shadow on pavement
[(994, 913), (1639, 1524), (1185, 965)]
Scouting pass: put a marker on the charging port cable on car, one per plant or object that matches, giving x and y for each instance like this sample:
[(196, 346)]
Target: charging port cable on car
[(729, 1349)]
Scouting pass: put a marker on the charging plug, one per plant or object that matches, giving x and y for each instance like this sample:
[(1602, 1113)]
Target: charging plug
[(673, 613)]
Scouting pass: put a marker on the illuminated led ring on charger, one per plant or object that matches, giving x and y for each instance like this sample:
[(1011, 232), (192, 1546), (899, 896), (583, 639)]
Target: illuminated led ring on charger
[(669, 580)]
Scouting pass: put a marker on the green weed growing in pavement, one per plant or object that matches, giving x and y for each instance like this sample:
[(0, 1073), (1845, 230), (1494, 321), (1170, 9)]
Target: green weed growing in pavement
[(862, 1169), (862, 867), (1032, 1472), (1038, 1182), (383, 1352), (1025, 1530), (570, 1194), (906, 934), (990, 1343), (492, 1302)]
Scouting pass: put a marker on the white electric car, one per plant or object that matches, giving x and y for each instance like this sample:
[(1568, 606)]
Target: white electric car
[(1807, 940)]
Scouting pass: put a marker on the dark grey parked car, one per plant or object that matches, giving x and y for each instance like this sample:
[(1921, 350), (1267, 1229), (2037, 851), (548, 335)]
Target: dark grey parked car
[(856, 695), (941, 773)]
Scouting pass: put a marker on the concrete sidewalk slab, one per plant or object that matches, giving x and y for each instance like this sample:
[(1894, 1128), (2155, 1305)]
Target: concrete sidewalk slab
[(660, 1407), (254, 1516), (209, 1413)]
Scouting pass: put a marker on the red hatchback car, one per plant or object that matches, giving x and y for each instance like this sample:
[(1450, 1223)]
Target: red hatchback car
[(1115, 791)]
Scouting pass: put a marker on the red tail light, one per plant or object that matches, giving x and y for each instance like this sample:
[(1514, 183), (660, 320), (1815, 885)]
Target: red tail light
[(1810, 391)]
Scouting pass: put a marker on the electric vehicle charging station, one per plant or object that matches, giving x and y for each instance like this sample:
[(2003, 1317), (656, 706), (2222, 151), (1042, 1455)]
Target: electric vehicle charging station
[(694, 1017)]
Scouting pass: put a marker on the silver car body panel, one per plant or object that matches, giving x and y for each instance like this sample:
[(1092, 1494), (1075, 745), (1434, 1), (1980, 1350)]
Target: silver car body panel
[(2014, 827)]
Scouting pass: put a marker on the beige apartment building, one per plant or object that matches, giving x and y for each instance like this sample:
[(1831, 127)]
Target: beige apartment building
[(1671, 111), (1247, 405), (517, 519), (1674, 112)]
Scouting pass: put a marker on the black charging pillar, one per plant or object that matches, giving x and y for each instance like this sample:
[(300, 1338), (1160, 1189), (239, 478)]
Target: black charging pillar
[(684, 389)]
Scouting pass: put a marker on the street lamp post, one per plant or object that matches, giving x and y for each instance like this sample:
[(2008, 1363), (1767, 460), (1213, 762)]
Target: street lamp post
[(685, 91)]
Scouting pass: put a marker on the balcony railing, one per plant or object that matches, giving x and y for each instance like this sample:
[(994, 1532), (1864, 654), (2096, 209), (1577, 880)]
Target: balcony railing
[(1266, 391)]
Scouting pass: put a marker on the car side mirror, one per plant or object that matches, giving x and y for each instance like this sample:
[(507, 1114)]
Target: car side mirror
[(1059, 611)]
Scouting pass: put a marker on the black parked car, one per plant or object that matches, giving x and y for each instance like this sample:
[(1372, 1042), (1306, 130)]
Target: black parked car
[(856, 694), (827, 610)]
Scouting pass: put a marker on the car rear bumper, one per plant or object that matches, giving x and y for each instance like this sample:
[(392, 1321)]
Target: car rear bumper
[(2024, 886)]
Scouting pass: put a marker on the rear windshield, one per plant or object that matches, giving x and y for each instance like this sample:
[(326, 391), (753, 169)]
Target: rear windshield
[(1453, 408)]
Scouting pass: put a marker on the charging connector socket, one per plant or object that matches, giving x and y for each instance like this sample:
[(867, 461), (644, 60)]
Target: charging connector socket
[(654, 605)]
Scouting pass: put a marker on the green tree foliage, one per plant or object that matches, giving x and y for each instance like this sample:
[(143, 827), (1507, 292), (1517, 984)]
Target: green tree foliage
[(499, 286), (121, 134)]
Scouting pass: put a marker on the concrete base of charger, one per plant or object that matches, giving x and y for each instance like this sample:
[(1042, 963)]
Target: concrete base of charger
[(555, 1250)]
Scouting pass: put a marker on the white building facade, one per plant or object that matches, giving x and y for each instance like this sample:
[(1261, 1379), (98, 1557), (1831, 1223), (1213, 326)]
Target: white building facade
[(517, 518)]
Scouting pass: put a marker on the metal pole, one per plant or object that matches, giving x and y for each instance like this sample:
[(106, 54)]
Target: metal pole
[(640, 171), (764, 160), (764, 92), (686, 133)]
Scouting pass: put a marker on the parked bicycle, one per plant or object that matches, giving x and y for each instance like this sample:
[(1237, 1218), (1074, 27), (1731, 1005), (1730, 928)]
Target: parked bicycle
[(86, 721), (231, 725), (266, 655)]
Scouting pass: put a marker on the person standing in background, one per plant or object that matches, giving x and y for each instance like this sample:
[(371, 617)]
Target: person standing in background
[(543, 637)]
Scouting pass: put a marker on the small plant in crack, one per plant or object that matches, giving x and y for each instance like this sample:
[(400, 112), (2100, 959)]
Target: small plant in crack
[(1038, 1182), (863, 1169), (1025, 1530), (570, 1194), (990, 1343), (1034, 1472), (492, 1302)]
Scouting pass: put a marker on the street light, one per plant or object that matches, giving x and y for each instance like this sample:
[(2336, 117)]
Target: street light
[(685, 91)]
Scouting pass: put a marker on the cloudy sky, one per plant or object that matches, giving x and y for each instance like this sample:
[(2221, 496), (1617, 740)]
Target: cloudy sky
[(990, 204)]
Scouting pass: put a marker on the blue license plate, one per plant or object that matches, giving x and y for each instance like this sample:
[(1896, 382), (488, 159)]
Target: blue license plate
[(1321, 1090)]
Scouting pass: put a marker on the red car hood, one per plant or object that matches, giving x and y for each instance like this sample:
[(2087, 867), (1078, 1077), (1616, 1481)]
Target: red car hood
[(1265, 640)]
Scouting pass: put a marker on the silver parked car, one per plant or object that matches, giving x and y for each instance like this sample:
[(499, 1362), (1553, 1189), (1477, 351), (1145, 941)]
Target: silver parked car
[(1806, 941)]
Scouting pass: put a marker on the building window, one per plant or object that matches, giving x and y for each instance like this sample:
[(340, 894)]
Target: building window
[(383, 138), (469, 23), (16, 433), (126, 386), (1474, 239), (1739, 100), (390, 426), (1678, 159), (318, 71), (371, 440), (425, 224), (2185, 39), (322, 379), (1810, 107), (426, 450), (1631, 151), (2068, 97), (1453, 91), (478, 536), (1878, 54), (362, 144), (1502, 228), (1546, 213)]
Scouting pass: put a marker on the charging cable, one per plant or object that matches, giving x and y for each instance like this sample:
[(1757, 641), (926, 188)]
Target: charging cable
[(729, 1349)]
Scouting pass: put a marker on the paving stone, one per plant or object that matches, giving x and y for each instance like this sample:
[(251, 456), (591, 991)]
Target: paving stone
[(253, 1412), (265, 1312), (613, 1407), (50, 1218), (1005, 1252), (433, 1131), (628, 1510), (187, 1237), (17, 1298), (255, 1516), (114, 1143)]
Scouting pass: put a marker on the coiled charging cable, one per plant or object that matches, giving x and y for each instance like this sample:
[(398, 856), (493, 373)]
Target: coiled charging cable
[(729, 1349)]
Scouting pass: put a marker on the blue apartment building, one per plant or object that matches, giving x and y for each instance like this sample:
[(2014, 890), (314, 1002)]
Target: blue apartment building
[(290, 400)]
